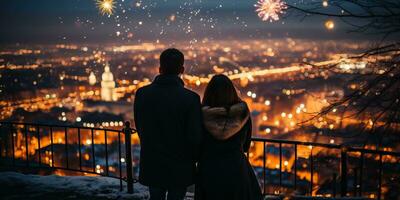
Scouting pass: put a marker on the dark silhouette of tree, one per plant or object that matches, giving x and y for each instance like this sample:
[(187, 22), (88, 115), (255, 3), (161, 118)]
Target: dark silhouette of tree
[(365, 16), (375, 97)]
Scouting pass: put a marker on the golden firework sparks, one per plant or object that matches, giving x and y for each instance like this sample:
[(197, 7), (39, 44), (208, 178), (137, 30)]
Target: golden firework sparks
[(106, 7), (270, 9)]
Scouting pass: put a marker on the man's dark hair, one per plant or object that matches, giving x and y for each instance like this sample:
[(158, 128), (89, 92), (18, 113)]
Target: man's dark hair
[(171, 61)]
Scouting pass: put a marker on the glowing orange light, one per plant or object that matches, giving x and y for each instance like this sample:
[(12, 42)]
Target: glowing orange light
[(329, 25)]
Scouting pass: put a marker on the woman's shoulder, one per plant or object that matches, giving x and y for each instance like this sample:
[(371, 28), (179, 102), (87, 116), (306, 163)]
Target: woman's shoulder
[(223, 122), (239, 108)]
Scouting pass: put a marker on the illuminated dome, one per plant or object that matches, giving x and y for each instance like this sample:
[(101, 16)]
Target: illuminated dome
[(107, 75), (107, 85), (92, 79)]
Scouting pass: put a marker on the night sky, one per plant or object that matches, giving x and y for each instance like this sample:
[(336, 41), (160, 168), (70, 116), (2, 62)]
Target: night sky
[(54, 21)]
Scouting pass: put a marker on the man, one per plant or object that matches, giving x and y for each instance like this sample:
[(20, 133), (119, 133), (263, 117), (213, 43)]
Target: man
[(169, 124)]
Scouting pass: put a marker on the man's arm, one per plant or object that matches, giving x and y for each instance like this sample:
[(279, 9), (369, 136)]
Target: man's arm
[(136, 111), (194, 126)]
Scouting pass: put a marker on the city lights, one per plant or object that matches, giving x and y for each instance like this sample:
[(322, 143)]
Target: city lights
[(285, 163)]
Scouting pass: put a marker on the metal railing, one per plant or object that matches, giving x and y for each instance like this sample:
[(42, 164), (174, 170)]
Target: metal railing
[(29, 138), (358, 157), (12, 133)]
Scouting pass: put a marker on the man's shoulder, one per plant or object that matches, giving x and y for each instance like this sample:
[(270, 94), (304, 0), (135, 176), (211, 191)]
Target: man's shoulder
[(185, 92), (143, 89), (191, 94)]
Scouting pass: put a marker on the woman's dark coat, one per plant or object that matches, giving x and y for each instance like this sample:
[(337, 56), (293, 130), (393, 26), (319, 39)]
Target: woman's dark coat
[(224, 171)]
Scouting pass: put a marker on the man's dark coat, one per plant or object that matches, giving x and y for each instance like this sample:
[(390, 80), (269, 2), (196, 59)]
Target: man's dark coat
[(169, 123)]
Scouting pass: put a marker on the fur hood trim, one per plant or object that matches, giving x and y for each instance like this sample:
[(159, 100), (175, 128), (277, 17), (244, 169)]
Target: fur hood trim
[(223, 123)]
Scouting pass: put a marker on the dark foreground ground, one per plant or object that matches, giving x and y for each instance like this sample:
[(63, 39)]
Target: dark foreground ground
[(18, 186)]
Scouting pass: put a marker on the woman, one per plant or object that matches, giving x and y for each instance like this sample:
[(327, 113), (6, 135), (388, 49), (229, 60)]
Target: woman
[(224, 171)]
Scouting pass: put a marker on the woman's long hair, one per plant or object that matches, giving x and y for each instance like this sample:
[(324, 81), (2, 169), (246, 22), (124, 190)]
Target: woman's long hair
[(220, 92)]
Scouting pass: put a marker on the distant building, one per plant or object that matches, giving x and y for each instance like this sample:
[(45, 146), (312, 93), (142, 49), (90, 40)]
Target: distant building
[(92, 79), (117, 108), (108, 85)]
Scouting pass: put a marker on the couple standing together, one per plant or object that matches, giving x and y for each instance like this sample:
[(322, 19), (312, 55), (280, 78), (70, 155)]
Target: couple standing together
[(185, 141)]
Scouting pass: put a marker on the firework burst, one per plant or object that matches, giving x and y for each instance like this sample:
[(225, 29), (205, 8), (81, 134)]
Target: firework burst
[(270, 9), (106, 7)]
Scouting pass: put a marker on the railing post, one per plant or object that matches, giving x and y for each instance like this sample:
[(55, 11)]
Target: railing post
[(334, 178), (26, 145), (295, 167), (1, 143), (360, 183), (12, 143), (128, 156), (6, 141), (280, 168), (263, 173), (52, 146), (380, 177), (311, 171), (343, 172), (39, 147), (355, 182)]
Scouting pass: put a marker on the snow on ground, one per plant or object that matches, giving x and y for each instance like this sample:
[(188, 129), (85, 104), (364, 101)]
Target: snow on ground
[(20, 186), (17, 186)]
